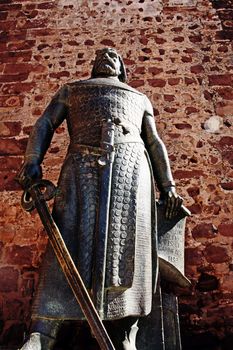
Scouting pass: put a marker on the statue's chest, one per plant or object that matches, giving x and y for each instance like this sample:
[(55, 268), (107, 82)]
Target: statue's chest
[(89, 104)]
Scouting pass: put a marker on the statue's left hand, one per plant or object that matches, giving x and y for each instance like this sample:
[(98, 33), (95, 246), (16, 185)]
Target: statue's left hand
[(172, 201)]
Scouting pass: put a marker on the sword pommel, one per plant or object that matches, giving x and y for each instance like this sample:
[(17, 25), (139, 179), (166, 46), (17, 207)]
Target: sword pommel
[(45, 188)]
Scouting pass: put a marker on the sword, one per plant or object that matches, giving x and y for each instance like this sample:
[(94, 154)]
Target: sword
[(101, 236), (35, 197)]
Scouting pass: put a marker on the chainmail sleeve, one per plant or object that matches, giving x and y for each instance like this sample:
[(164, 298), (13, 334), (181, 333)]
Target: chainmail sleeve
[(45, 126)]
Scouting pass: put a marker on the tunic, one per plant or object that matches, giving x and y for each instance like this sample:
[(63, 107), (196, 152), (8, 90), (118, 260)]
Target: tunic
[(131, 260)]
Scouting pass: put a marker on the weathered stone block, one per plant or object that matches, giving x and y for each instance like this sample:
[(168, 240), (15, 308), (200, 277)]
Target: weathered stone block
[(10, 128), (189, 81), (10, 163), (193, 256), (8, 78), (187, 174), (155, 70), (19, 255), (216, 254), (17, 88), (61, 74), (190, 110), (197, 69), (221, 79), (186, 59), (137, 83), (195, 38), (226, 93), (228, 186), (173, 81), (195, 208), (207, 283), (204, 230), (178, 39), (224, 108), (9, 277), (182, 126), (8, 182), (157, 82), (169, 98), (12, 146), (226, 229)]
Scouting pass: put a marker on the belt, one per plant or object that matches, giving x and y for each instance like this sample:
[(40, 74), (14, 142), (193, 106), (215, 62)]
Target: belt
[(105, 156), (88, 149)]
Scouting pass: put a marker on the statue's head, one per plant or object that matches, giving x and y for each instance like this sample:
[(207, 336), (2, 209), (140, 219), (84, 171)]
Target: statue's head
[(108, 63)]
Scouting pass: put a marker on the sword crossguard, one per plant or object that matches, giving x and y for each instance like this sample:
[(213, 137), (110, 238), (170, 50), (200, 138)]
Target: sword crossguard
[(46, 189)]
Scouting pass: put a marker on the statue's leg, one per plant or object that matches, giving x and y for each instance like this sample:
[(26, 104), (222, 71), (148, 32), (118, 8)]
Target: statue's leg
[(123, 333), (150, 333), (171, 322), (160, 329), (43, 335), (151, 328)]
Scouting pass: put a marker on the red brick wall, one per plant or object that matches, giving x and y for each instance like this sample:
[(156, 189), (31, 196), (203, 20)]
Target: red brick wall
[(181, 58)]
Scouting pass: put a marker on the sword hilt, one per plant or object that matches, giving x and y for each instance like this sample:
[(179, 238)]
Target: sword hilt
[(47, 191)]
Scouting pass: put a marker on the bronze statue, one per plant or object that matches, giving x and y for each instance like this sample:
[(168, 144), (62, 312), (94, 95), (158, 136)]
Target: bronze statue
[(104, 206)]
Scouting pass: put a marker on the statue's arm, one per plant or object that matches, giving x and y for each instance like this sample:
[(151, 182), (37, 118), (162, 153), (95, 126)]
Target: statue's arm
[(160, 162), (41, 136)]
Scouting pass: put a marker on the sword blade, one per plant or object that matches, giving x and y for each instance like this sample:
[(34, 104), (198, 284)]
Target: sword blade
[(101, 235), (70, 271)]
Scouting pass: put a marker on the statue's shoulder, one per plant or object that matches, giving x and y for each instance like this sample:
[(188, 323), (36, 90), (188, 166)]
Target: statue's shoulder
[(104, 82), (130, 88)]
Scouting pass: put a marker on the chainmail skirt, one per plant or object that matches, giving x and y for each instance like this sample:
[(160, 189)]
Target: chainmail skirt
[(131, 258)]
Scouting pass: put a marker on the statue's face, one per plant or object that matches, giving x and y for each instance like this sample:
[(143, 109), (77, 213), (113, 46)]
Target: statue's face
[(107, 63)]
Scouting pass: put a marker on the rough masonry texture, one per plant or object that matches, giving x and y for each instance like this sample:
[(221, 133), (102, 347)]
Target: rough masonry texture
[(177, 52)]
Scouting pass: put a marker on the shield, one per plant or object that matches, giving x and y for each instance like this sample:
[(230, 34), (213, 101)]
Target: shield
[(171, 245)]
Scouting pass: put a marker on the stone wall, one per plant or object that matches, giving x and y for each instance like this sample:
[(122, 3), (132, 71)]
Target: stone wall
[(178, 52)]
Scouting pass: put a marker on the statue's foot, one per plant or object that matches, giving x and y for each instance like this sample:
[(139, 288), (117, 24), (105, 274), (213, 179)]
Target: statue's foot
[(33, 343), (38, 341), (130, 340)]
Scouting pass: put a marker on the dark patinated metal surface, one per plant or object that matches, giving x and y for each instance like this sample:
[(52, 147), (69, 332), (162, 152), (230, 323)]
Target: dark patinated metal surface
[(171, 324), (63, 256), (105, 204), (77, 204), (122, 228)]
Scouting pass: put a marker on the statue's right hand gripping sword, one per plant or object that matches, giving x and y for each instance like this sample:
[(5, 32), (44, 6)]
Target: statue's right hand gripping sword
[(35, 197)]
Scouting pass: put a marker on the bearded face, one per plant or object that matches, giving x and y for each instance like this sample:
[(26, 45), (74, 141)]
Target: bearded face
[(107, 63)]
